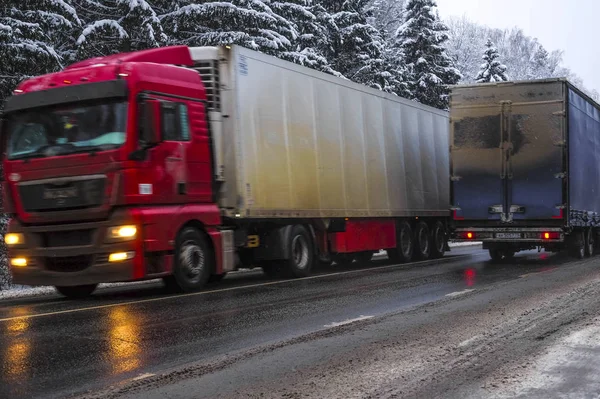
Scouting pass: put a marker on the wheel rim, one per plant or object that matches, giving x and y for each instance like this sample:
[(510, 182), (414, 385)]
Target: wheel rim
[(300, 252), (423, 241), (192, 261), (405, 242)]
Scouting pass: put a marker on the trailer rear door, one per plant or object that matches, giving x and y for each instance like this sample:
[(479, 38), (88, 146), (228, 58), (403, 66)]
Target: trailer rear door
[(508, 151)]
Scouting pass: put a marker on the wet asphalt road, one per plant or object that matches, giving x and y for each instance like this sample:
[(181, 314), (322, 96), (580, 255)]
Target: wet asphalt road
[(51, 347)]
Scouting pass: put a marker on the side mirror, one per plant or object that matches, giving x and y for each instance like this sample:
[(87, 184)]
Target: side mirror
[(149, 123)]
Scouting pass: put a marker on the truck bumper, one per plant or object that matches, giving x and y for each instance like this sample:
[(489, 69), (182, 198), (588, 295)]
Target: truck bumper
[(74, 254), (507, 235)]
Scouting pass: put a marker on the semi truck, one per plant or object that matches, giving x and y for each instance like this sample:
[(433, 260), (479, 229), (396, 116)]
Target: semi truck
[(525, 167), (186, 163)]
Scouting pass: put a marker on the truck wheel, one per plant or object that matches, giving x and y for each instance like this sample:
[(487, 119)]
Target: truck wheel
[(438, 240), (590, 242), (422, 241), (302, 254), (193, 261), (404, 244), (76, 291), (577, 245)]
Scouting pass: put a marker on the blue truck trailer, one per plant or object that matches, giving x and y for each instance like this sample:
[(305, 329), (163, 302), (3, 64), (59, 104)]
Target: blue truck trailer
[(525, 167)]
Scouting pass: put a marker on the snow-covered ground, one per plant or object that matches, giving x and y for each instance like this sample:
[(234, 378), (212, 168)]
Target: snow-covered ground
[(24, 291), (567, 369)]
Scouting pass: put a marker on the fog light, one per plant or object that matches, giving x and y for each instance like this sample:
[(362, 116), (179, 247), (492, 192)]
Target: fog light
[(120, 256), (18, 262)]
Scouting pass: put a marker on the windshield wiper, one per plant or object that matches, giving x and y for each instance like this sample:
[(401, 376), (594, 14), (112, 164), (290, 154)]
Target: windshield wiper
[(38, 153)]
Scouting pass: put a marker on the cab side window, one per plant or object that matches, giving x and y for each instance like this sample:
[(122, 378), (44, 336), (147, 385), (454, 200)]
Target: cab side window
[(175, 124)]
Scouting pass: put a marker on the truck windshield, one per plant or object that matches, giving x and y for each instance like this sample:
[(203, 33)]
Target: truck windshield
[(66, 130)]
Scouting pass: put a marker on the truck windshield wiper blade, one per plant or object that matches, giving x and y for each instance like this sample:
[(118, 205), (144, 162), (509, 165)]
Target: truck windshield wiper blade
[(41, 151)]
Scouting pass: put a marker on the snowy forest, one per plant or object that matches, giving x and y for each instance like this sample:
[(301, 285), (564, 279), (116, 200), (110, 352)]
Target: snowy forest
[(403, 47)]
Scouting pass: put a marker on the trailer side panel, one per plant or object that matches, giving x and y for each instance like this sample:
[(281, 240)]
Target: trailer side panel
[(313, 145), (584, 160)]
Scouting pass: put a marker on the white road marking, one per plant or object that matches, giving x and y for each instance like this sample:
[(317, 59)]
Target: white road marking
[(457, 293), (349, 321), (166, 298), (142, 376), (534, 273)]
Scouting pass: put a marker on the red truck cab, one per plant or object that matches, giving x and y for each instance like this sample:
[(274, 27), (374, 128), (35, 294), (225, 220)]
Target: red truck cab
[(87, 202)]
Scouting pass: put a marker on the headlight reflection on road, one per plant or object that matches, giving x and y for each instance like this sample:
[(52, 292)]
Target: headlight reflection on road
[(16, 362), (124, 346)]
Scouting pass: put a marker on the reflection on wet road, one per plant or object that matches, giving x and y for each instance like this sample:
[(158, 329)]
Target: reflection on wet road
[(52, 347)]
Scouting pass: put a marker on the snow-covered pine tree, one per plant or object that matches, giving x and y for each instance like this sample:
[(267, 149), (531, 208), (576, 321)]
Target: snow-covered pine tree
[(357, 49), (113, 26), (250, 23), (491, 70), (314, 27), (421, 39), (35, 38)]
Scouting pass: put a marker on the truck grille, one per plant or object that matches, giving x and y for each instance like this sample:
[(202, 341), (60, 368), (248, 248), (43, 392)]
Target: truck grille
[(67, 238), (68, 195), (68, 263), (209, 72)]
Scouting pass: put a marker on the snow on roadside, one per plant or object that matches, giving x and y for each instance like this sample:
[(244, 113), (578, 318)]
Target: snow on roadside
[(567, 369), (25, 291)]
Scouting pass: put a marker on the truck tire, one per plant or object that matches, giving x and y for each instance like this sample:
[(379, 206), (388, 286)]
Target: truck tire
[(422, 241), (577, 244), (302, 254), (404, 244), (590, 242), (438, 240), (302, 257), (76, 291), (193, 262)]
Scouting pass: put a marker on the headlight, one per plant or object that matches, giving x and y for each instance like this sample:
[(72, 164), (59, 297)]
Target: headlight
[(11, 239), (122, 232)]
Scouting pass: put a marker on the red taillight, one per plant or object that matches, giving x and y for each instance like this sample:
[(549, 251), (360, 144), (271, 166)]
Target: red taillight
[(467, 235), (470, 235), (552, 235)]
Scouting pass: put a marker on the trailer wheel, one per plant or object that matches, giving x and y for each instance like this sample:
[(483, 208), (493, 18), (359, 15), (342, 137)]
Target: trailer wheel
[(76, 291), (590, 242), (438, 240), (193, 262), (302, 254), (422, 241), (405, 244), (577, 245)]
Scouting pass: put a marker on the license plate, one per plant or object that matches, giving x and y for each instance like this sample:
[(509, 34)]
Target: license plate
[(508, 235)]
